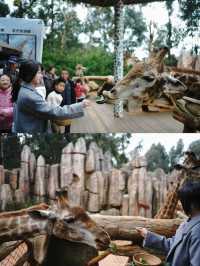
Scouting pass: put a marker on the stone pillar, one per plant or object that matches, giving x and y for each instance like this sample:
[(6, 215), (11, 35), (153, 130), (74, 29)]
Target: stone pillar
[(66, 166), (24, 179), (40, 184), (5, 196), (116, 188), (90, 165), (125, 205), (76, 188), (52, 184), (2, 175), (107, 161)]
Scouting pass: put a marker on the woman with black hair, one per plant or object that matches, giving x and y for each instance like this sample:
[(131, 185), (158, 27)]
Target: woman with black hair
[(184, 248), (32, 112)]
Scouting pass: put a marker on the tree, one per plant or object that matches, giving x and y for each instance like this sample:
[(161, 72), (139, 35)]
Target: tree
[(50, 146), (4, 9), (24, 8), (45, 144), (191, 15), (10, 150), (97, 60), (175, 153), (195, 147), (157, 157), (100, 20)]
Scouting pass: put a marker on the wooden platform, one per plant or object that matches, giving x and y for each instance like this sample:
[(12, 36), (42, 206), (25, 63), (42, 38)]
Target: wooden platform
[(99, 119)]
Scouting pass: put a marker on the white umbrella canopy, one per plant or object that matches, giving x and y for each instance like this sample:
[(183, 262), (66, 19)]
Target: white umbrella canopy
[(114, 2)]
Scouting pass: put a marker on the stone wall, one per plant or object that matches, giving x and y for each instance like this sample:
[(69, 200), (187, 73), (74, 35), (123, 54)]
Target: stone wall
[(91, 180)]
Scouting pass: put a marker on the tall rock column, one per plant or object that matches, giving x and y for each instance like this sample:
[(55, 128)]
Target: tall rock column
[(24, 179), (77, 187), (116, 188), (40, 184), (66, 166), (140, 189)]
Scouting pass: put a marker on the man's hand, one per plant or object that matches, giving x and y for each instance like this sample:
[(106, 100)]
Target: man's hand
[(86, 103), (142, 231)]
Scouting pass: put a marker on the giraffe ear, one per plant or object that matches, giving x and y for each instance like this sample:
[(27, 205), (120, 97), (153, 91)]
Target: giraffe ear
[(42, 214)]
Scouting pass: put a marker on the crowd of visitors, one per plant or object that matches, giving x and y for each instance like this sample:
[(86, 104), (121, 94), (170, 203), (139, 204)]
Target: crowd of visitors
[(33, 100)]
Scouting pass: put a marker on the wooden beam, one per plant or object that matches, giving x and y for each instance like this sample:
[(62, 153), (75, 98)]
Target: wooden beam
[(124, 227), (101, 78)]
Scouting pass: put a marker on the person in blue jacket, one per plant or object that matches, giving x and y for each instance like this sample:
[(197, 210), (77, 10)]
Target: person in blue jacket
[(31, 111), (184, 248)]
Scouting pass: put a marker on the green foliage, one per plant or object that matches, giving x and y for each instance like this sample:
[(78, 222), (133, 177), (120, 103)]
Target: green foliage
[(157, 157), (135, 29), (96, 60), (190, 14), (14, 206), (175, 153), (10, 149), (25, 8), (51, 145), (101, 20), (195, 147), (4, 9)]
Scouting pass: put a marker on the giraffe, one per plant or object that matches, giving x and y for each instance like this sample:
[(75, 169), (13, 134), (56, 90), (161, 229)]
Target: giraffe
[(144, 82), (190, 167), (65, 228)]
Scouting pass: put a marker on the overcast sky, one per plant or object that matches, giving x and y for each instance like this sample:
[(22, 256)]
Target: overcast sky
[(166, 139)]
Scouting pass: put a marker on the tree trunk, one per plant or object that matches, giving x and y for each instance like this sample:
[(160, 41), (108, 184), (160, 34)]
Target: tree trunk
[(119, 35), (123, 227)]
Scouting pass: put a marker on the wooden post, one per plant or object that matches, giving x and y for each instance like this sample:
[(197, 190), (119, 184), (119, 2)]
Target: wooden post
[(76, 189), (66, 166), (125, 205), (2, 175), (116, 188), (32, 163), (94, 192), (107, 161), (133, 192), (13, 178), (5, 196), (52, 184), (90, 159), (40, 184), (24, 179)]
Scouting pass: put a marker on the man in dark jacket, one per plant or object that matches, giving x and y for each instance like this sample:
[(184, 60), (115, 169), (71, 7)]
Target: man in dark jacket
[(69, 95), (11, 69)]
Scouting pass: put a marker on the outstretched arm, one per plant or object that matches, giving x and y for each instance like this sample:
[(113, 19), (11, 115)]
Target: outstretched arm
[(44, 110), (155, 241)]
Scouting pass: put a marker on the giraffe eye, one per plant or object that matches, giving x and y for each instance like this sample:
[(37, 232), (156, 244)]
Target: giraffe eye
[(69, 219)]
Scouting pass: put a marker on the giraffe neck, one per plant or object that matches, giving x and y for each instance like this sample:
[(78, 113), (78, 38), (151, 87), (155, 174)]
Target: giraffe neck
[(21, 227), (168, 209)]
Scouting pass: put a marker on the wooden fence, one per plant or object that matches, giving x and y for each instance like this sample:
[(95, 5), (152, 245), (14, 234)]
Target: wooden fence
[(91, 180)]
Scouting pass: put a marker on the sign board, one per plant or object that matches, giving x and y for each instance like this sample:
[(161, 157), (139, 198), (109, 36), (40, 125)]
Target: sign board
[(24, 34)]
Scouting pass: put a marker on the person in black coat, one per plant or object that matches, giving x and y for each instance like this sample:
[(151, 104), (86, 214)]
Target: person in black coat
[(69, 95), (49, 78)]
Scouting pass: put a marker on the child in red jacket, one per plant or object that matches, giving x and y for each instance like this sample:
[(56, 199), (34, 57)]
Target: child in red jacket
[(6, 105), (80, 90)]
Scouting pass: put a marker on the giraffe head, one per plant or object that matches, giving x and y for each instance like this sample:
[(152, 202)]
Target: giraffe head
[(140, 82), (72, 224)]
